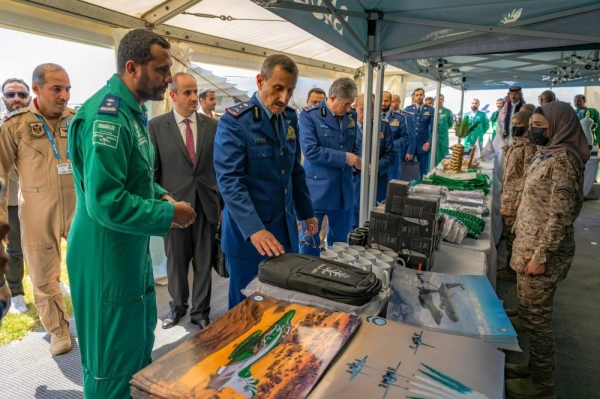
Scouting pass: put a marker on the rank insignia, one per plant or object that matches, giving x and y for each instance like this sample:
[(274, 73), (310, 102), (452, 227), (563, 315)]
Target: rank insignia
[(291, 134), (110, 105), (239, 109), (36, 129)]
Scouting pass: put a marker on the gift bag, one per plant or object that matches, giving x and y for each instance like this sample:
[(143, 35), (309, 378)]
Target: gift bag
[(409, 170), (488, 151), (218, 257)]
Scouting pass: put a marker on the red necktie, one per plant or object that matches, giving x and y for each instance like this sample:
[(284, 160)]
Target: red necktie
[(189, 141)]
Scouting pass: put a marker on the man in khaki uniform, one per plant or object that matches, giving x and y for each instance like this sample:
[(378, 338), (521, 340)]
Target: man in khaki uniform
[(34, 139)]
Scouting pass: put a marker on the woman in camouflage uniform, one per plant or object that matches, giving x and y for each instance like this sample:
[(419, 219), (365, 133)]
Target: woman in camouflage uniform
[(545, 245), (516, 161)]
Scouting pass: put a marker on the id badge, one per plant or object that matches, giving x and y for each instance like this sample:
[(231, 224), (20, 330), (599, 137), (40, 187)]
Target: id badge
[(65, 169)]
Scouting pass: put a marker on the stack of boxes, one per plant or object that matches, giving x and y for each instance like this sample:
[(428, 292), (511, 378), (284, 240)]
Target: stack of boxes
[(407, 224)]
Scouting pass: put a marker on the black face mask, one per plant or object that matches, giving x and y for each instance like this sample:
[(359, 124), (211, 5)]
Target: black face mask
[(518, 131), (536, 135)]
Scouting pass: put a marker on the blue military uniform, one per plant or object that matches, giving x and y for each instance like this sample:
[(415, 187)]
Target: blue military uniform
[(325, 142), (387, 154), (420, 122), (404, 139), (262, 184)]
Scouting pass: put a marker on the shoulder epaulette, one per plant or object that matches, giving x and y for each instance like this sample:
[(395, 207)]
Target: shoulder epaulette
[(16, 112), (238, 109), (109, 105), (311, 108)]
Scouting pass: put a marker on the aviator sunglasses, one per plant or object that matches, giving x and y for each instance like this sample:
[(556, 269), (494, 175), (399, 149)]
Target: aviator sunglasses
[(11, 94)]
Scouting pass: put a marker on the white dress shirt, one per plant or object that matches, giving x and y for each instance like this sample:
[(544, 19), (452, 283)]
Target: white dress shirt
[(193, 125)]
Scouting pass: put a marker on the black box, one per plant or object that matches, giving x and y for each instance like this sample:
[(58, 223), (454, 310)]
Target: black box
[(384, 229), (412, 227), (420, 207), (397, 191), (417, 244)]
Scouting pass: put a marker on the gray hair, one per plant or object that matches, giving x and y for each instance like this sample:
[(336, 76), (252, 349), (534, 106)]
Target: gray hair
[(343, 88), (278, 60), (174, 86), (40, 71)]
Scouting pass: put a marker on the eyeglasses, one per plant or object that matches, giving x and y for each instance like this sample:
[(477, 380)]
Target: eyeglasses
[(11, 94), (308, 244)]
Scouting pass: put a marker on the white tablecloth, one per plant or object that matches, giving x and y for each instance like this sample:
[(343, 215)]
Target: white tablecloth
[(589, 176)]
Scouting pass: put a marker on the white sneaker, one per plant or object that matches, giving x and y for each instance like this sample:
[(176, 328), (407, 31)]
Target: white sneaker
[(66, 291), (18, 304)]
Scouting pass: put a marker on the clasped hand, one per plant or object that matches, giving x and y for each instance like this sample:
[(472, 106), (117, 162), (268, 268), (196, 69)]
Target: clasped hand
[(184, 215)]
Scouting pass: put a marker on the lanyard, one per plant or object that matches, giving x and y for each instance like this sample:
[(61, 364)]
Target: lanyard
[(52, 142)]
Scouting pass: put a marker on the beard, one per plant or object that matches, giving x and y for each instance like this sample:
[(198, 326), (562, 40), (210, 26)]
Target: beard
[(147, 91), (474, 108)]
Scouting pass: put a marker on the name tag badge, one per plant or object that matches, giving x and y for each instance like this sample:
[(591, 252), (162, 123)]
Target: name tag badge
[(65, 169)]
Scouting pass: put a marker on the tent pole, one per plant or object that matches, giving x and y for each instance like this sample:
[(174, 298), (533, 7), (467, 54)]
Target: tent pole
[(375, 137), (366, 147), (462, 101), (434, 132)]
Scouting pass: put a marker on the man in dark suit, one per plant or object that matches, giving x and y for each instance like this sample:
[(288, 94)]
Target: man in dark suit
[(183, 140)]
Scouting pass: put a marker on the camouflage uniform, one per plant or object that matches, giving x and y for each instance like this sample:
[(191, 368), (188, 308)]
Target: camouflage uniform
[(551, 201), (517, 160)]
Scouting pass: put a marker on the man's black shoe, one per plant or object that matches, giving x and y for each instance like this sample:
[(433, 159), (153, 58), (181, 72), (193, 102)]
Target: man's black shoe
[(202, 323), (171, 319)]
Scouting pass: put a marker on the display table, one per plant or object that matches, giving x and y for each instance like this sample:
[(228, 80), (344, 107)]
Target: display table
[(485, 244), (451, 259), (589, 176)]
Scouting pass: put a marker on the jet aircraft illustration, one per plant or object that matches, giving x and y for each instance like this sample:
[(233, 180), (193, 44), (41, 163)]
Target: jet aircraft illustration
[(237, 374), (389, 378), (417, 340), (355, 367), (446, 304)]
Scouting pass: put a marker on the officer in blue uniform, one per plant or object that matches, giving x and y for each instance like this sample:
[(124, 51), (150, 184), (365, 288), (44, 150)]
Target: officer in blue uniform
[(420, 122), (328, 141), (261, 180), (404, 140), (387, 155)]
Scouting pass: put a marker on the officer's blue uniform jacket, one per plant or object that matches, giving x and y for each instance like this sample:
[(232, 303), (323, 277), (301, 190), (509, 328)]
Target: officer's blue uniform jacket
[(260, 178), (387, 154), (404, 139), (421, 123), (325, 144)]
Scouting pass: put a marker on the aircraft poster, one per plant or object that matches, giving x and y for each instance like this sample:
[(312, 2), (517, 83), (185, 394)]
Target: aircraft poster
[(386, 360), (464, 305), (262, 348)]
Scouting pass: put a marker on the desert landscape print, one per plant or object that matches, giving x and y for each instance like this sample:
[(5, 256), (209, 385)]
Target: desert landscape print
[(262, 348)]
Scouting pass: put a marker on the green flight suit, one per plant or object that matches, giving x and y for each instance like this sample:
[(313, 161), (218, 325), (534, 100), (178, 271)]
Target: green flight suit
[(494, 120), (479, 131), (108, 258), (445, 122)]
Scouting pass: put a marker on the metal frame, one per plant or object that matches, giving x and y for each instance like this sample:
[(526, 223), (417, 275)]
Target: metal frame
[(167, 10)]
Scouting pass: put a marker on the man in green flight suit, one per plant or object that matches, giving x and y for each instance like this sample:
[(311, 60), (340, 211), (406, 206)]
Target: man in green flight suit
[(494, 117), (118, 208), (476, 117), (445, 122)]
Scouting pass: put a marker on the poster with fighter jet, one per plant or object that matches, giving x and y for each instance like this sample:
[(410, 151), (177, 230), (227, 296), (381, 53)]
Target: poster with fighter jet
[(262, 348), (464, 305), (386, 360)]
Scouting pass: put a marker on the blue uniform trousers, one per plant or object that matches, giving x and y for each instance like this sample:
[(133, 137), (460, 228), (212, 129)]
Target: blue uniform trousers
[(338, 228), (423, 158)]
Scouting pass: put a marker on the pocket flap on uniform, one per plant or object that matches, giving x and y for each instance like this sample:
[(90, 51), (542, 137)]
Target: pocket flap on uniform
[(261, 151)]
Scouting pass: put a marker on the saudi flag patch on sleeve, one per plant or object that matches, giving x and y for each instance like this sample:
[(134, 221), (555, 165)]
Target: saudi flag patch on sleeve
[(106, 133)]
